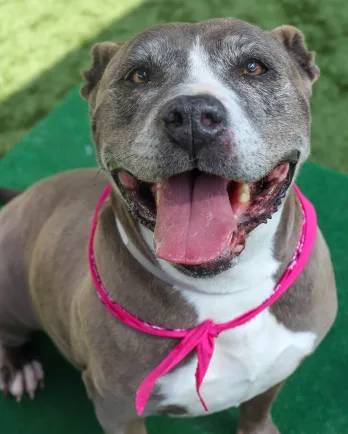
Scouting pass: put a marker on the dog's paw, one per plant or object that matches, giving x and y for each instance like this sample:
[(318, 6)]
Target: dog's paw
[(20, 372)]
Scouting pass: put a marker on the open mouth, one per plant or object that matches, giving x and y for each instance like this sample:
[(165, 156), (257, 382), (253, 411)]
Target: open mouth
[(201, 221)]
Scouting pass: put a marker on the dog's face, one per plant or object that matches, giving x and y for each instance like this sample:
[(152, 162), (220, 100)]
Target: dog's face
[(202, 127)]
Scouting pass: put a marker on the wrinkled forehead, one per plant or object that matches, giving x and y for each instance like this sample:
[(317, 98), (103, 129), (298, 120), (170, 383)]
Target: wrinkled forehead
[(221, 41)]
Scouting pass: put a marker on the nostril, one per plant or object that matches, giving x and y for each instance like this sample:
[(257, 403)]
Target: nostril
[(178, 119), (175, 119), (209, 120), (193, 121)]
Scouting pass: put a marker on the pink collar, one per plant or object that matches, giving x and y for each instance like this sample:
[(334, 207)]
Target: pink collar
[(201, 338)]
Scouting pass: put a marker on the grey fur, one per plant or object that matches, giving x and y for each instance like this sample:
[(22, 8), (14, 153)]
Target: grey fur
[(44, 279), (126, 118)]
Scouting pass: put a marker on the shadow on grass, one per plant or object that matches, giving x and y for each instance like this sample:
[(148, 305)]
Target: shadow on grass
[(325, 32), (24, 108)]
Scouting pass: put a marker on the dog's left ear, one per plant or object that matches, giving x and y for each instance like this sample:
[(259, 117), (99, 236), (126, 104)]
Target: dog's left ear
[(101, 53), (294, 41)]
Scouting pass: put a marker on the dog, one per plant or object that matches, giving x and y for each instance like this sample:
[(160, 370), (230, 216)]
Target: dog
[(200, 131)]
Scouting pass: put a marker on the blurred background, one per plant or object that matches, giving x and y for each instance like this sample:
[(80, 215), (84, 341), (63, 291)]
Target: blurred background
[(44, 46)]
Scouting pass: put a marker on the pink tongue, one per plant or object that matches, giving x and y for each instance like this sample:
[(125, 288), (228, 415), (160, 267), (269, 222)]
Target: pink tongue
[(195, 222)]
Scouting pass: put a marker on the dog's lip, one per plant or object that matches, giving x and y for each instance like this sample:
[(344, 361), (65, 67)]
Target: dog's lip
[(141, 199), (128, 180)]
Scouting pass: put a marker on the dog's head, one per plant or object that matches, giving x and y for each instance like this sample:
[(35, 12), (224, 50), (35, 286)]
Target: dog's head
[(202, 127)]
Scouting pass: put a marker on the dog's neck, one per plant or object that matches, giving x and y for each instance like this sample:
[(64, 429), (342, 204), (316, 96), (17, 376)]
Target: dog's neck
[(246, 284), (235, 279)]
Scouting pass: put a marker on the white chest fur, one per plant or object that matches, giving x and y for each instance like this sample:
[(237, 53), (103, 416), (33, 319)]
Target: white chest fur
[(247, 360)]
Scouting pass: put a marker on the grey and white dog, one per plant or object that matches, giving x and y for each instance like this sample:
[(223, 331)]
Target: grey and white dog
[(201, 129)]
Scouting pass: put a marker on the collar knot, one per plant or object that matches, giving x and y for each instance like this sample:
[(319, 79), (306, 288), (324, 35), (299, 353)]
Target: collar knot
[(211, 328)]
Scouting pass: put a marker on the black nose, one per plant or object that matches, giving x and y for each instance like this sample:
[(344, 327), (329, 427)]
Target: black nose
[(194, 121)]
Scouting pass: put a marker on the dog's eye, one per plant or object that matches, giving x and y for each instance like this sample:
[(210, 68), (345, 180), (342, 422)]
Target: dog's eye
[(138, 76), (254, 67)]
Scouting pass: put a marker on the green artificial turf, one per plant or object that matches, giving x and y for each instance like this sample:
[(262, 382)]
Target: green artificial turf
[(314, 401), (45, 44)]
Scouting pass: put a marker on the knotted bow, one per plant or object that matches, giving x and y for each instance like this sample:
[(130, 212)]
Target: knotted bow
[(200, 338)]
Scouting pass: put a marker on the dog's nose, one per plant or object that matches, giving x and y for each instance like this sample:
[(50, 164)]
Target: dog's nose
[(194, 121)]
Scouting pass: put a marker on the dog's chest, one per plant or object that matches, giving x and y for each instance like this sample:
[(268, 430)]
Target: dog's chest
[(250, 359), (247, 361)]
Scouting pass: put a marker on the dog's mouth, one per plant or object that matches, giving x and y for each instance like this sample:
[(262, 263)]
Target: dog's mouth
[(201, 221)]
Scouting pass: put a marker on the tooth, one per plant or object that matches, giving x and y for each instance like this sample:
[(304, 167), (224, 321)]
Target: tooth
[(235, 217), (243, 193), (158, 190)]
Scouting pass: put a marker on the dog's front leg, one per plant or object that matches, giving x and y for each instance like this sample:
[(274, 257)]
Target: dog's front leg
[(114, 413), (132, 427), (255, 415), (136, 427), (114, 421)]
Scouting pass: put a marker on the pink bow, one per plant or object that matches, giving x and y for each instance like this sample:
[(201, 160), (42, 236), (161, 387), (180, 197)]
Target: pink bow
[(201, 338)]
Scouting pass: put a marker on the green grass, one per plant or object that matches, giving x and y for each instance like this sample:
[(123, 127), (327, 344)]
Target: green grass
[(45, 45), (35, 36)]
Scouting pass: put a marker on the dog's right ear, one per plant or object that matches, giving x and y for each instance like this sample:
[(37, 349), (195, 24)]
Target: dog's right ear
[(101, 53)]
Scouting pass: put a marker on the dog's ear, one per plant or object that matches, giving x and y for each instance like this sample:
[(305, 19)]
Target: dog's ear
[(101, 53), (294, 41)]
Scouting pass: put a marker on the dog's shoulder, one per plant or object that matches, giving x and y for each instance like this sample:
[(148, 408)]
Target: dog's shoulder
[(310, 304)]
